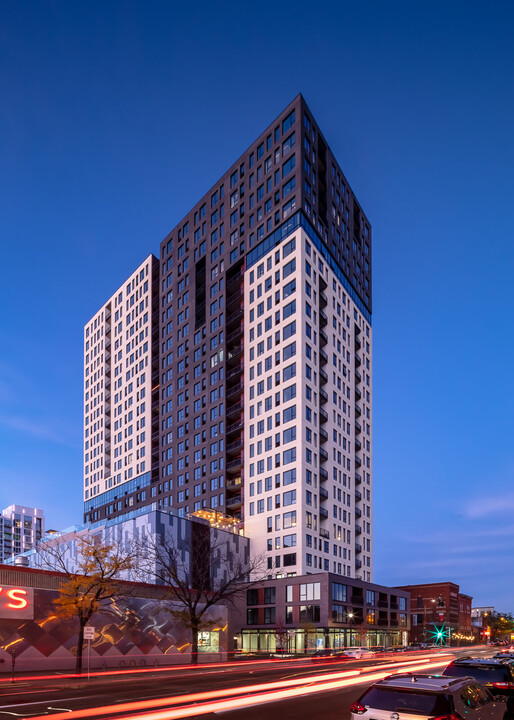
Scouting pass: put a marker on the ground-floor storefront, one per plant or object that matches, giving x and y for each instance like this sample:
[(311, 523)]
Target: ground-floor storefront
[(308, 640)]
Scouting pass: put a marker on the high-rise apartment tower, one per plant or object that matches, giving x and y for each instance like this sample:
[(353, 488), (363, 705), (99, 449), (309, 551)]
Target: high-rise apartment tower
[(21, 528), (121, 379), (263, 362)]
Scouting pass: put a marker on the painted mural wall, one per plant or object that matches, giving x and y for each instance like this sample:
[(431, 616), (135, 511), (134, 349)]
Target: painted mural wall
[(134, 632)]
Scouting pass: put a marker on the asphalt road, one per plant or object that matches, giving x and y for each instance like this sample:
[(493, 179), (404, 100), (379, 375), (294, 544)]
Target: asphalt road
[(301, 689)]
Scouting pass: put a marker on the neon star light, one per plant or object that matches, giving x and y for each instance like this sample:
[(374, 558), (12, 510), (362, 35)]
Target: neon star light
[(440, 635)]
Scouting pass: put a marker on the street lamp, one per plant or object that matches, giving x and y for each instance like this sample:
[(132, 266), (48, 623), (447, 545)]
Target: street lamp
[(432, 600), (350, 615)]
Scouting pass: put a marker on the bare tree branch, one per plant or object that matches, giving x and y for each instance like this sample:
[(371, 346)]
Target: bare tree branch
[(200, 575)]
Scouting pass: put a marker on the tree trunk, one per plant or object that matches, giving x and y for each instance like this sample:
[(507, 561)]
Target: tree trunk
[(194, 644), (80, 646)]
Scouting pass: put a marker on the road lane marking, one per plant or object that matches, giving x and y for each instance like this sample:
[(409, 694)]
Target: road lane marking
[(211, 701)]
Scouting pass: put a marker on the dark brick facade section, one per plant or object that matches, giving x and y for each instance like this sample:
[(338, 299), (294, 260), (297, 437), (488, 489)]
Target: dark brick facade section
[(289, 168), (438, 604), (374, 607)]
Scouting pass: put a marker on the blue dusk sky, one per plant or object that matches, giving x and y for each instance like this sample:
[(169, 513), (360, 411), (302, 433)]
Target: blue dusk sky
[(116, 117)]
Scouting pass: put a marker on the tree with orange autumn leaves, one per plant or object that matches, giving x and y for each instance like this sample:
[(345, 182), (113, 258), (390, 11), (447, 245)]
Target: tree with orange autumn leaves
[(92, 586)]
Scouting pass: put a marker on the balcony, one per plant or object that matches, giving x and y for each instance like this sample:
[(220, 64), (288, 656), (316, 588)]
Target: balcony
[(234, 502), (358, 411), (235, 427), (358, 343), (358, 512), (357, 359), (323, 513), (323, 377), (234, 354), (383, 604), (382, 622), (357, 599), (323, 493), (358, 461), (358, 548), (235, 316), (234, 465), (323, 318), (323, 357), (236, 390), (358, 564), (358, 445), (356, 330), (235, 282), (358, 428), (233, 483), (234, 334), (323, 474), (235, 409), (323, 435), (323, 397), (358, 530), (358, 494), (236, 372), (324, 533), (235, 446), (358, 376), (323, 455), (323, 299), (323, 416), (323, 337)]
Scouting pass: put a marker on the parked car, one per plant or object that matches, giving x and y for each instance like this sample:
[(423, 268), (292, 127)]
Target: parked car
[(506, 654), (358, 652), (378, 649), (497, 674), (329, 656), (411, 696)]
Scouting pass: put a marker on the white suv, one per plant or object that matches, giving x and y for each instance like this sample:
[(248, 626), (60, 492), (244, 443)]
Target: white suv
[(409, 696), (358, 652)]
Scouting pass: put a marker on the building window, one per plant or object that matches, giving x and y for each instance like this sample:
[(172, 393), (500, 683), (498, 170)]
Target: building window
[(269, 615), (269, 596), (339, 592), (309, 613), (339, 613), (252, 616), (310, 591)]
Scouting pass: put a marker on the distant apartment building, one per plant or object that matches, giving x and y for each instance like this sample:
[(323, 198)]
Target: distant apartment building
[(479, 616), (258, 363), (21, 528)]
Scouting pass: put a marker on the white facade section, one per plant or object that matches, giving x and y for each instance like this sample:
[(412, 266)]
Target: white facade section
[(21, 529), (307, 416), (117, 386)]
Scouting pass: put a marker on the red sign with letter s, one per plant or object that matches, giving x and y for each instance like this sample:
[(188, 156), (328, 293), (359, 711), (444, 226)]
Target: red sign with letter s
[(16, 602)]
